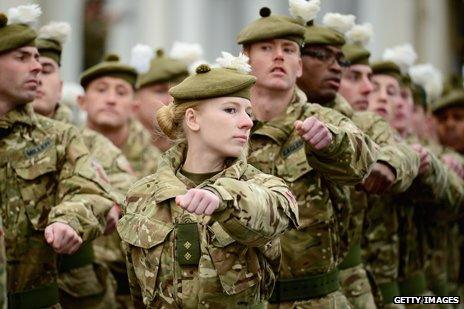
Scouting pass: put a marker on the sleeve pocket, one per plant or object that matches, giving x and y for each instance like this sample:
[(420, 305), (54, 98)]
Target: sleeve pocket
[(146, 237)]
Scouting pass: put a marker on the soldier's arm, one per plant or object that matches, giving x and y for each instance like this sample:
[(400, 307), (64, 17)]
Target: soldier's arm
[(256, 211), (350, 154), (440, 184), (399, 156), (83, 199)]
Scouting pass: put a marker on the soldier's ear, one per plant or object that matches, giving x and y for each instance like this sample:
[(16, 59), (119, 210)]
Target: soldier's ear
[(81, 101), (300, 68), (191, 119)]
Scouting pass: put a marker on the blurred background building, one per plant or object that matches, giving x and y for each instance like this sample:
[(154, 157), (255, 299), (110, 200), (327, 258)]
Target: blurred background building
[(434, 27)]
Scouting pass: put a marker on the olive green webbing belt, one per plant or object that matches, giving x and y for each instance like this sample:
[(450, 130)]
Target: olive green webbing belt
[(41, 297), (414, 285), (389, 290), (82, 257), (305, 288), (352, 259)]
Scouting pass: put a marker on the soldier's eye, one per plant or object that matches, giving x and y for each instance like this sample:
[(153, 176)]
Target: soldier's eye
[(230, 110)]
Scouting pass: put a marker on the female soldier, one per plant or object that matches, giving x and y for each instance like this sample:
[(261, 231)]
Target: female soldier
[(202, 231)]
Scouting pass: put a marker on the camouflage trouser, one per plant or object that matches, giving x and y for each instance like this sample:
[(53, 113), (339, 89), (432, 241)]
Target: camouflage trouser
[(356, 287), (90, 286), (335, 300)]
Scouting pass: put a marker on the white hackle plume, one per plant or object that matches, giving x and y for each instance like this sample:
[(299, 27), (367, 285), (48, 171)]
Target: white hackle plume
[(339, 22), (24, 14), (428, 77), (239, 63), (360, 34), (307, 10), (141, 56), (403, 55), (58, 31), (186, 52)]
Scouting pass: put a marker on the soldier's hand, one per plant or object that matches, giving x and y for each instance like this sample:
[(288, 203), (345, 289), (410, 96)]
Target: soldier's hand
[(380, 179), (424, 158), (62, 238), (314, 132), (198, 201), (112, 219), (453, 164)]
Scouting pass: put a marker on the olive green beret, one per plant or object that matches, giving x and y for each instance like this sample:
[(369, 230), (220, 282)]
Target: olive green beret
[(109, 67), (15, 35), (356, 54), (163, 69), (272, 27), (386, 68), (50, 49), (212, 83), (321, 35), (455, 98)]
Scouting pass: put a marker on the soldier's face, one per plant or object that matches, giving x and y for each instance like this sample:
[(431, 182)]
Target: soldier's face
[(385, 93), (219, 128), (49, 90), (450, 127), (149, 99), (356, 86), (108, 103), (402, 116), (275, 63), (321, 72), (20, 70)]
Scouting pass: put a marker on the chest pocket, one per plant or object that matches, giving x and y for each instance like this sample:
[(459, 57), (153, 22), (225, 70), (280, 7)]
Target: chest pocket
[(237, 265), (37, 185), (145, 238), (292, 163)]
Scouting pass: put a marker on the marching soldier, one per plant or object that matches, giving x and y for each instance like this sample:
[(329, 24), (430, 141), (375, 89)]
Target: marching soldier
[(315, 149), (83, 280), (202, 232), (52, 198)]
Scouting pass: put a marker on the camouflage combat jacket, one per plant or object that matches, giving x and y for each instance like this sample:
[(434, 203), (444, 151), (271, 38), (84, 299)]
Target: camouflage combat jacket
[(238, 254), (46, 176), (316, 179), (439, 187), (398, 155), (139, 150), (120, 176)]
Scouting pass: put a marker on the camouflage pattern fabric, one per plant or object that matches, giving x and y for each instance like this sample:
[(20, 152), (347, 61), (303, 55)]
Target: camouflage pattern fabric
[(139, 150), (239, 245), (93, 286), (316, 178), (63, 113), (439, 187), (404, 162), (356, 287), (3, 289), (46, 176)]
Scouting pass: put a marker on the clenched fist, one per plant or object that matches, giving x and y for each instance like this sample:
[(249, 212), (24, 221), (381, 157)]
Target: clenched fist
[(314, 132), (62, 238), (112, 219), (424, 158), (453, 164), (198, 201), (380, 179)]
